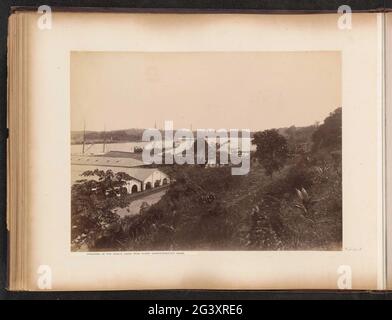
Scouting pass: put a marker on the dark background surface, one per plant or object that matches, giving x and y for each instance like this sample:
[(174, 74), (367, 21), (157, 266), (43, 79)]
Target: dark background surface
[(284, 5), (171, 5)]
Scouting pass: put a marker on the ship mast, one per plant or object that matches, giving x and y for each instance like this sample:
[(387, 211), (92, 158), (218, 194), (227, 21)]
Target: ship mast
[(84, 135), (104, 138)]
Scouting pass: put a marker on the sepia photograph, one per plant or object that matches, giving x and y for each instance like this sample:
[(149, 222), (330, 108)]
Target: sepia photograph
[(216, 151), (198, 152)]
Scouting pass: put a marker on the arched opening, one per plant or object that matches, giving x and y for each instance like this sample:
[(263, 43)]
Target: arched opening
[(134, 188), (148, 185), (165, 182), (157, 183)]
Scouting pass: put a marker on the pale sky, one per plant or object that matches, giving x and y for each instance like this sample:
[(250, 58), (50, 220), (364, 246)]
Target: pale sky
[(247, 90)]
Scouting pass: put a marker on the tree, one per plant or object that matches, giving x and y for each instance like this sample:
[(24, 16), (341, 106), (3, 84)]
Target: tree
[(94, 223), (138, 149), (272, 150), (329, 134)]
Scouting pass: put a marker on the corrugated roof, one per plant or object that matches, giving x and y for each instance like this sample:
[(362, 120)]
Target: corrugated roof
[(141, 174)]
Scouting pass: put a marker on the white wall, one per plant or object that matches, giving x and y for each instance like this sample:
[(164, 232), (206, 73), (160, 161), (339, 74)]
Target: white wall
[(132, 183), (157, 175)]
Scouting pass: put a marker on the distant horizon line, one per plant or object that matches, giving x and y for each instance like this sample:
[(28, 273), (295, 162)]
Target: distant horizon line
[(193, 130)]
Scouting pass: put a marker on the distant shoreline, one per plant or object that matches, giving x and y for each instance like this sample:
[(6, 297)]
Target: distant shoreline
[(107, 142)]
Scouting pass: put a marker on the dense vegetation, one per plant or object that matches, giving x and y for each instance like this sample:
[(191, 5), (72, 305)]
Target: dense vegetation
[(290, 200)]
